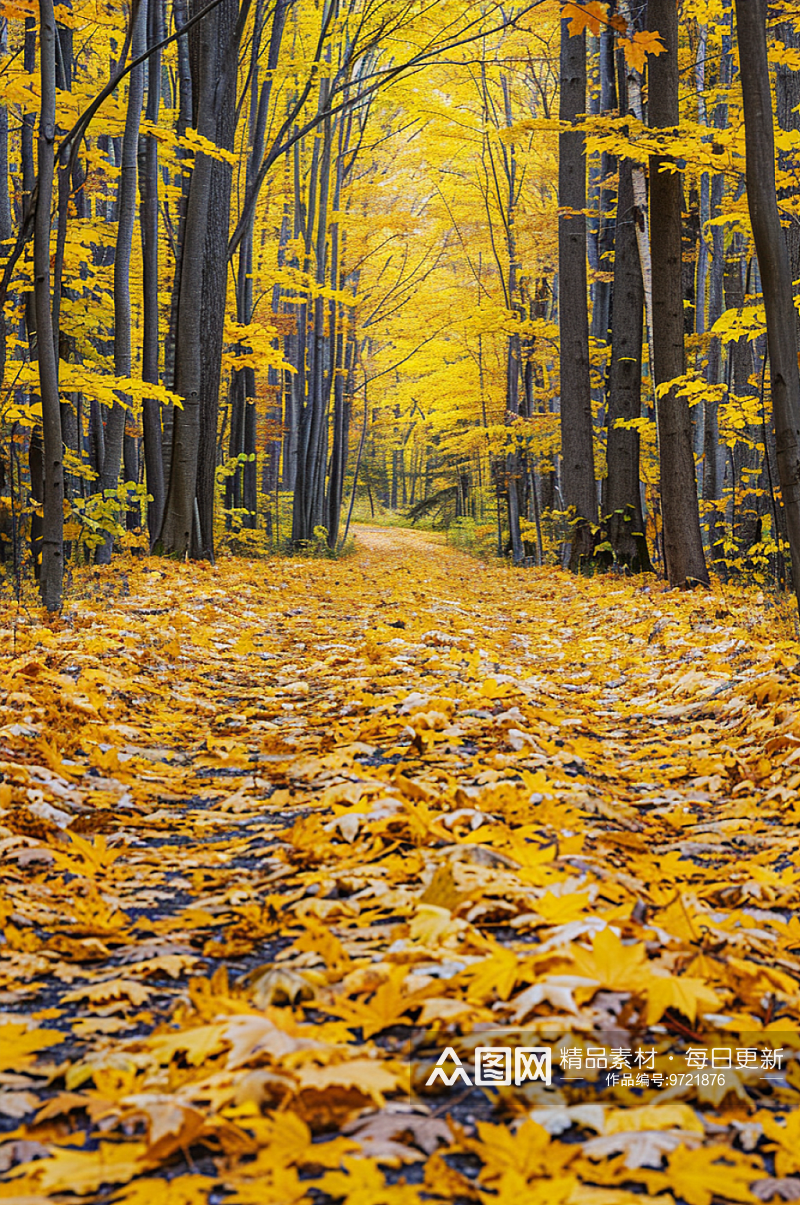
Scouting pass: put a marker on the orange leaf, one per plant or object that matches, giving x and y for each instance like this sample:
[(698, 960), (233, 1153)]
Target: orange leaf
[(585, 16), (639, 46)]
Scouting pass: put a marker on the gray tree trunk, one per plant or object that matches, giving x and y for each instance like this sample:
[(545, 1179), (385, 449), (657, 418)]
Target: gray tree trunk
[(201, 302), (683, 545), (126, 206), (625, 524), (577, 445), (787, 111), (148, 217), (52, 569), (773, 260)]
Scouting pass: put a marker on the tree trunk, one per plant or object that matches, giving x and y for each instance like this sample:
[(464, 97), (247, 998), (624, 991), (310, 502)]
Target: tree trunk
[(185, 109), (577, 445), (241, 490), (625, 523), (52, 569), (6, 229), (773, 260), (601, 308), (201, 302), (148, 217), (308, 509), (713, 455), (683, 545), (126, 206), (787, 111)]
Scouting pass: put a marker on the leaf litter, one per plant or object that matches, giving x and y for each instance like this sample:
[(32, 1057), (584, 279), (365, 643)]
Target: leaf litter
[(269, 832)]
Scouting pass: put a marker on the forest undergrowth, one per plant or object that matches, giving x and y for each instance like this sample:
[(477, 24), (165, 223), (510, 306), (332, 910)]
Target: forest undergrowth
[(274, 835)]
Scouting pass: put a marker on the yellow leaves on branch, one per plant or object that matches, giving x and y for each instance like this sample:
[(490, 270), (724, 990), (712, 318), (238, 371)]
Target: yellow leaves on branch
[(106, 388), (190, 141), (594, 15), (254, 345), (637, 47)]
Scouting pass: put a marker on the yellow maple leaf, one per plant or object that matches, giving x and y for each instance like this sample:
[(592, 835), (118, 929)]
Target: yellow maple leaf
[(369, 1076), (561, 909), (585, 16), (494, 977), (276, 1185), (529, 1152), (512, 1188), (711, 1171), (785, 1141), (110, 989), (198, 1044), (431, 924), (669, 1116), (362, 1183), (189, 1189), (171, 1124), (83, 1172), (19, 1044), (637, 47), (387, 1006), (614, 965), (681, 992)]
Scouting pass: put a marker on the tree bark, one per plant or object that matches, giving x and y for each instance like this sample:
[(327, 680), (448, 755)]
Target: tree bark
[(126, 207), (201, 301), (625, 524), (787, 111), (683, 545), (52, 568), (148, 191), (215, 267), (181, 182), (713, 455), (577, 444), (241, 489), (773, 260), (6, 228), (602, 302)]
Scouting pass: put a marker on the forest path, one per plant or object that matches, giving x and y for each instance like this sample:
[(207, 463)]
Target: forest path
[(255, 806)]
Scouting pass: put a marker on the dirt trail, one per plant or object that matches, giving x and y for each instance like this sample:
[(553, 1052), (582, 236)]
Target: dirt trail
[(364, 803)]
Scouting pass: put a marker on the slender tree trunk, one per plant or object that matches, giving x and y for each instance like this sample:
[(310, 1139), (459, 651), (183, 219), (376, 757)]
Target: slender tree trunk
[(713, 455), (787, 111), (343, 353), (308, 510), (185, 102), (126, 205), (148, 217), (52, 568), (683, 543), (577, 444), (773, 260), (6, 229), (625, 523), (601, 308), (212, 325), (27, 134), (242, 486), (633, 96)]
